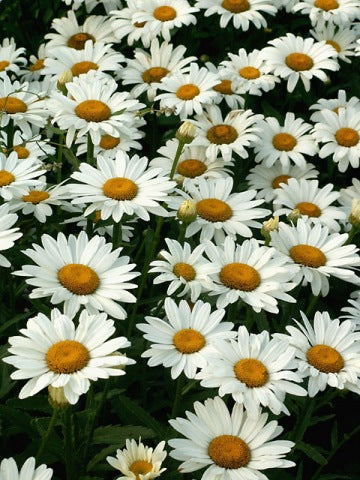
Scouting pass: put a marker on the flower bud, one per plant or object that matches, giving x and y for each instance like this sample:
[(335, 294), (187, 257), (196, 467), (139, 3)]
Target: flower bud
[(186, 132), (187, 212), (64, 78), (57, 397), (269, 226), (354, 217), (294, 216)]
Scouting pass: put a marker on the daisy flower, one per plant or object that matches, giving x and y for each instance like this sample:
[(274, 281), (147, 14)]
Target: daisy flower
[(94, 106), (226, 136), (249, 72), (7, 235), (53, 351), (342, 40), (333, 104), (256, 274), (91, 4), (267, 180), (34, 148), (318, 253), (10, 57), (314, 203), (352, 312), (121, 186), (347, 195), (328, 352), (220, 212), (185, 340), (124, 25), (187, 271), (255, 370), (137, 461), (231, 446), (34, 70), (294, 58), (80, 271), (161, 16), (340, 132), (148, 68), (241, 12), (225, 88), (9, 470), (284, 143), (338, 12), (188, 92)]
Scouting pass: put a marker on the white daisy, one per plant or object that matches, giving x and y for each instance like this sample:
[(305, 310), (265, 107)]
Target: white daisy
[(9, 470), (91, 4), (342, 40), (10, 57), (267, 180), (347, 195), (53, 351), (34, 147), (225, 88), (314, 203), (7, 235), (124, 25), (256, 274), (338, 12), (352, 312), (255, 370), (231, 446), (328, 352), (284, 143), (121, 186), (318, 253), (333, 104), (34, 70), (79, 271), (185, 340), (139, 462), (294, 58)]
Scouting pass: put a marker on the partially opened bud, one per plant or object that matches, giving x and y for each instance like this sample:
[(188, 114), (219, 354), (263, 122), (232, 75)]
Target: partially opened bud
[(270, 225), (64, 78), (186, 132), (57, 397), (354, 217), (294, 216), (187, 212)]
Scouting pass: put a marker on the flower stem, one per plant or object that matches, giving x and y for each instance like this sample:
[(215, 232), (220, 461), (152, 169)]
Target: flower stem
[(116, 238), (354, 230), (179, 386), (90, 151), (176, 159), (47, 433), (68, 440)]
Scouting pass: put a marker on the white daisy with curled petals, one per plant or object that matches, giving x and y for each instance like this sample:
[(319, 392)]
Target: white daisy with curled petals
[(328, 352), (10, 471), (53, 351), (186, 338), (229, 445), (295, 58), (255, 370), (333, 104), (319, 254), (256, 274), (80, 272), (338, 12), (7, 235), (342, 40)]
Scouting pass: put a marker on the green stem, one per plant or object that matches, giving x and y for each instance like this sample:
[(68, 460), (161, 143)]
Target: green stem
[(352, 234), (68, 440), (59, 158), (116, 237), (183, 226), (90, 150), (312, 305), (10, 134), (47, 434), (231, 314), (176, 159), (179, 386), (303, 420)]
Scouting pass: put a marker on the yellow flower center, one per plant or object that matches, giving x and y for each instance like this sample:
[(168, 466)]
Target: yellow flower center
[(240, 276), (334, 45), (309, 209), (38, 65), (164, 13), (229, 451), (78, 40), (191, 168), (224, 87), (108, 142), (6, 178), (79, 279), (252, 372), (213, 210), (154, 74), (35, 196), (139, 24), (307, 255), (140, 467), (347, 137), (250, 73), (284, 142), (22, 152), (188, 340), (236, 6), (184, 270), (280, 179), (93, 111), (220, 134), (83, 67), (12, 105), (299, 61), (67, 356), (3, 65), (120, 188), (326, 4), (325, 358), (187, 92)]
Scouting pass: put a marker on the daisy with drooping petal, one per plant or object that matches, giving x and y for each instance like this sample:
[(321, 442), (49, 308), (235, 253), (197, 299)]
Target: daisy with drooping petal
[(338, 12), (333, 104), (267, 180), (294, 58), (258, 275), (340, 132), (186, 339), (186, 270), (231, 446), (10, 57), (318, 253), (255, 370), (79, 271), (313, 203), (328, 352), (7, 235), (137, 461), (342, 40), (225, 88), (53, 351), (9, 470), (121, 186), (124, 25)]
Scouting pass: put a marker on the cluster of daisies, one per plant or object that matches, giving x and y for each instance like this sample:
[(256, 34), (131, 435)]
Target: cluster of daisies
[(242, 218)]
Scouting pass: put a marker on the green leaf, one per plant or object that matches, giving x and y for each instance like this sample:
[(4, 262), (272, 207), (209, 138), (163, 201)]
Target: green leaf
[(299, 473), (100, 456), (324, 418), (311, 452), (116, 434), (334, 435), (17, 418), (334, 476)]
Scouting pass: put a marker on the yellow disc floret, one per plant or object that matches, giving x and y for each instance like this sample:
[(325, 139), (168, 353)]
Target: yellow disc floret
[(120, 188), (213, 210), (252, 372), (184, 270), (284, 142), (35, 196), (325, 358), (164, 13), (188, 341), (93, 111), (236, 6), (229, 451), (240, 276), (67, 356), (299, 61), (191, 168), (307, 255), (347, 137), (78, 278)]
